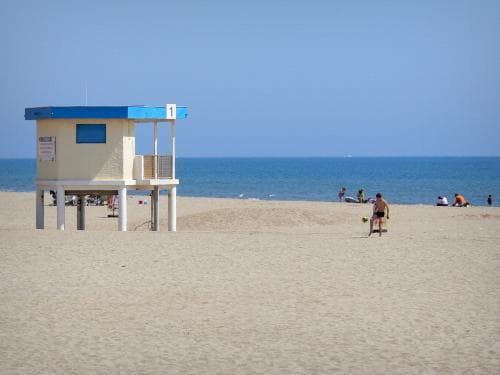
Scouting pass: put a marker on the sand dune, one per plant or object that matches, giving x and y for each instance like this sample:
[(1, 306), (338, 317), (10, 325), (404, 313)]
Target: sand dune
[(250, 287)]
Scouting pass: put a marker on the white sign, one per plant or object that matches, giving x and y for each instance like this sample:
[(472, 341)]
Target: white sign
[(171, 110), (47, 148)]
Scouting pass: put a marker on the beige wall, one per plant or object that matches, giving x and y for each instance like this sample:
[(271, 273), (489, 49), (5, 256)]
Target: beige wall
[(110, 161), (128, 150)]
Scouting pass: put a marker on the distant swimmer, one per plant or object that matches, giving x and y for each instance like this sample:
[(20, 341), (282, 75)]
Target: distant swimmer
[(460, 201), (379, 208)]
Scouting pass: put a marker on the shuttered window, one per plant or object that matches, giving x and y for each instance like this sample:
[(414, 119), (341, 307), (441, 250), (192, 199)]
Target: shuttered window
[(90, 133)]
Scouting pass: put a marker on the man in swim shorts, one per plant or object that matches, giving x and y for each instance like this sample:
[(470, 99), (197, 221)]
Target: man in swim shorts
[(379, 208)]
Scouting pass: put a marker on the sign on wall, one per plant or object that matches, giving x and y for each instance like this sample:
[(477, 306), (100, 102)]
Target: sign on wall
[(47, 148)]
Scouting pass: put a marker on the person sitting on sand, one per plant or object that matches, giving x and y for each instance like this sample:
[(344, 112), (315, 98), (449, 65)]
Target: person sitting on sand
[(379, 208), (460, 201), (442, 201), (53, 194)]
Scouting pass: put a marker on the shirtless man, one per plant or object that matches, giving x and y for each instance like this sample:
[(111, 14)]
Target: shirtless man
[(459, 201), (379, 208)]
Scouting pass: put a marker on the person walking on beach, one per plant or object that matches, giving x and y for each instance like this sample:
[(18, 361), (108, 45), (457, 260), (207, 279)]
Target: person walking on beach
[(490, 200), (379, 208)]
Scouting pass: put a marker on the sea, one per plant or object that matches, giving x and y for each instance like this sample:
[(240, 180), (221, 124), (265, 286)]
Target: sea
[(402, 180)]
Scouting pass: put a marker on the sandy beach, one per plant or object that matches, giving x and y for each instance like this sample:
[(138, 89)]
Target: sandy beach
[(250, 287)]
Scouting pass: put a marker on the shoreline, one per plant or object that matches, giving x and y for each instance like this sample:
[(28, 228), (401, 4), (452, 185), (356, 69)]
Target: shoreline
[(132, 193)]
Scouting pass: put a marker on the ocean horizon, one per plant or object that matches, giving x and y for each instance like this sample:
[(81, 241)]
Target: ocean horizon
[(402, 179)]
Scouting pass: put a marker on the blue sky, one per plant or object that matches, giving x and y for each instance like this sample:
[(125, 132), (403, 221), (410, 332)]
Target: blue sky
[(265, 78)]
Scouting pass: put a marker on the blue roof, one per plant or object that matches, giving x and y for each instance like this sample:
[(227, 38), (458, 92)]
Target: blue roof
[(125, 112)]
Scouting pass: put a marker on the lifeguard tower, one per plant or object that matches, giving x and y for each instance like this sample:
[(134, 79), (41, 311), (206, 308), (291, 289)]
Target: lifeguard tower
[(91, 150)]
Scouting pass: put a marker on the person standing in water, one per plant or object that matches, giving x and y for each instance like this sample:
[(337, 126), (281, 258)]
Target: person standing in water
[(379, 208), (342, 194), (361, 196), (490, 200)]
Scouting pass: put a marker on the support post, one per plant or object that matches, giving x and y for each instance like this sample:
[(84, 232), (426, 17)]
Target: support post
[(61, 201), (155, 157), (40, 208), (172, 131), (172, 209), (122, 216), (80, 212), (156, 193), (152, 210)]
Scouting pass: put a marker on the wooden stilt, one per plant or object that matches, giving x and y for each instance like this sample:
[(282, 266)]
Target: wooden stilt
[(80, 212), (172, 209), (40, 214), (152, 210), (122, 217), (61, 201)]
